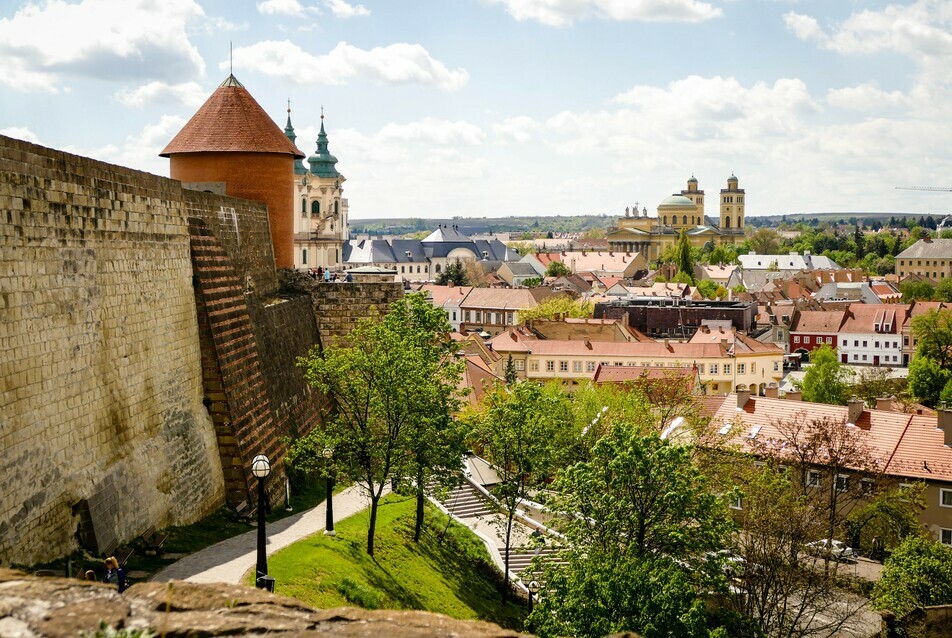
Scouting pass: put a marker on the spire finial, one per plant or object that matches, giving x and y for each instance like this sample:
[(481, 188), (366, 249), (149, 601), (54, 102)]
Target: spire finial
[(289, 107), (322, 111), (231, 58)]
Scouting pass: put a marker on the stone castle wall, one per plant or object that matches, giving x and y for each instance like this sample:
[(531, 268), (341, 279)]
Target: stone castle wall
[(100, 379), (149, 351)]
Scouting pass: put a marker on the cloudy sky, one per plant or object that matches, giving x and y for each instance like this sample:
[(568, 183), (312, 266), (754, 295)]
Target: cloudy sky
[(495, 107)]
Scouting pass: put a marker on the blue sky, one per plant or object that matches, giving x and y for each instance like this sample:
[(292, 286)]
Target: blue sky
[(438, 108)]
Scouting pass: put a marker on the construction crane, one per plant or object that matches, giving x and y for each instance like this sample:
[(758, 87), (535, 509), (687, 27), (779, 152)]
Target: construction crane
[(924, 188)]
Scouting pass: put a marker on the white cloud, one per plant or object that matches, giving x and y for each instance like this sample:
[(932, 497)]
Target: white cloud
[(342, 9), (106, 39), (285, 7), (190, 94), (399, 63), (865, 97), (561, 13), (20, 133), (433, 131), (804, 27), (518, 129)]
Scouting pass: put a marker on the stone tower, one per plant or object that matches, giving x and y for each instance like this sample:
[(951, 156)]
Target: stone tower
[(232, 147), (732, 206), (696, 196)]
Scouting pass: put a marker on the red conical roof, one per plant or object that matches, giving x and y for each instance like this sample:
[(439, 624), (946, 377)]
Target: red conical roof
[(231, 121)]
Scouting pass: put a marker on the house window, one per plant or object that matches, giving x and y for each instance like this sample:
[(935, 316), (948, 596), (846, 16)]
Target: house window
[(550, 366), (479, 316), (713, 368), (735, 504), (867, 485), (454, 315), (563, 366), (796, 339), (509, 318), (520, 365), (876, 345), (466, 316), (864, 344), (315, 208), (945, 536), (700, 368), (742, 368), (727, 368), (842, 482), (437, 268), (534, 366), (303, 207), (576, 366), (304, 256), (590, 366), (945, 498), (776, 366), (814, 478), (829, 340), (807, 340)]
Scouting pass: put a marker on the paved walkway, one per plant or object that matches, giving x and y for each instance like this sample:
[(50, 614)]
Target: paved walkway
[(229, 560)]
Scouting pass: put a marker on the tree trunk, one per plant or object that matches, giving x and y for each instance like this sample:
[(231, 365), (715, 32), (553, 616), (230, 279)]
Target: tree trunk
[(420, 499), (374, 499), (505, 584)]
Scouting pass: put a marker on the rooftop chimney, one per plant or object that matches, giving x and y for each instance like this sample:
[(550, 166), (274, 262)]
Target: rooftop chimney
[(794, 395), (742, 397), (772, 392), (884, 404), (855, 409), (944, 422)]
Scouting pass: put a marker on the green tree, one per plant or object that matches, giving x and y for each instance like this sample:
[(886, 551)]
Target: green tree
[(390, 386), (707, 288), (927, 379), (943, 292), (933, 332), (764, 241), (514, 428), (825, 381), (532, 282), (510, 372), (890, 516), (638, 519), (916, 291), (453, 273), (682, 256), (557, 269), (552, 307), (919, 573)]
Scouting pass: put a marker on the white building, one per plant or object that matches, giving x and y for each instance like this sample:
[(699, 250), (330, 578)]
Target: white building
[(872, 335)]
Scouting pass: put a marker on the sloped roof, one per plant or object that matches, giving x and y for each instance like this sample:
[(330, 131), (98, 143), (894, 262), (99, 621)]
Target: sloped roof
[(623, 374), (906, 445), (506, 298), (754, 261), (928, 249), (442, 295), (863, 318), (818, 321), (231, 121), (446, 233)]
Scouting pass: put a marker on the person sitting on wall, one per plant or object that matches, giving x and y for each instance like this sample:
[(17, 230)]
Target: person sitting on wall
[(320, 273), (348, 278), (114, 574)]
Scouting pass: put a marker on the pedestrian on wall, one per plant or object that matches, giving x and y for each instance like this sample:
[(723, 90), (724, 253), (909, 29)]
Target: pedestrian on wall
[(348, 278), (320, 273), (114, 574), (327, 275)]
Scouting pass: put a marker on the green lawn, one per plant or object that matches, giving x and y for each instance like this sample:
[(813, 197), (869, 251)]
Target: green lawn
[(450, 574)]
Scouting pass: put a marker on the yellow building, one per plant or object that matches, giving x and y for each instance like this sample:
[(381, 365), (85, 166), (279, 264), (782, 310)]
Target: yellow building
[(651, 236)]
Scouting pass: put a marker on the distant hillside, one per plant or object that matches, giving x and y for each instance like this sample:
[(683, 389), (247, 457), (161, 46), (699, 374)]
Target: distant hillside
[(581, 223)]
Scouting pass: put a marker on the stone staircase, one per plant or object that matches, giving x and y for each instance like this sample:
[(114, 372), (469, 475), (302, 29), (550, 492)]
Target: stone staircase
[(520, 558), (466, 501)]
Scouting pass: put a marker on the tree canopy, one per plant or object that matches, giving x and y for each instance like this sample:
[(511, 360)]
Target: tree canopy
[(557, 269), (825, 381), (552, 307), (917, 574)]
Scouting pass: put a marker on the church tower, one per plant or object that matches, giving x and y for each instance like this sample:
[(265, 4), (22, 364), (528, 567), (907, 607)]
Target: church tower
[(732, 206), (232, 146), (321, 225), (696, 196)]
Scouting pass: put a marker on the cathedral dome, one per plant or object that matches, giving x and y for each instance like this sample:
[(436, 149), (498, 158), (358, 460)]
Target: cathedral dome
[(676, 201)]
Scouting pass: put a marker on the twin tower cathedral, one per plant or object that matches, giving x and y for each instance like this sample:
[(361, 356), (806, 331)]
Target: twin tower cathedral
[(231, 146), (650, 236)]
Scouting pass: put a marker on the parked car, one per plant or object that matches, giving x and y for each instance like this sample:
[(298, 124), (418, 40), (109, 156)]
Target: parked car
[(734, 566), (837, 550)]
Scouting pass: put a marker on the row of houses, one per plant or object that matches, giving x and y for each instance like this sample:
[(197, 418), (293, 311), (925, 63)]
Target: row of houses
[(874, 335)]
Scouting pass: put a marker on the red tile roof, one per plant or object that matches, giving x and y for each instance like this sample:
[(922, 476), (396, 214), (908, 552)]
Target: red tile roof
[(863, 318), (814, 321), (231, 121), (904, 445)]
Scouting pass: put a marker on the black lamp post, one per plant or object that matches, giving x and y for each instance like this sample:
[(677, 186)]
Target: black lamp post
[(533, 588), (261, 468), (328, 454)]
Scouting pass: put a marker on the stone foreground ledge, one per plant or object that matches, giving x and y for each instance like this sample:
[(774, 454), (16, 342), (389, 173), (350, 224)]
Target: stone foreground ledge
[(31, 607)]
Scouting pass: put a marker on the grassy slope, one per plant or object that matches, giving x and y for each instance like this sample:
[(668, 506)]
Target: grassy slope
[(453, 576)]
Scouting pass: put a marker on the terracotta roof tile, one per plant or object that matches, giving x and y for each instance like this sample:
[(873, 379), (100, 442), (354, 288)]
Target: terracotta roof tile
[(818, 321), (231, 120)]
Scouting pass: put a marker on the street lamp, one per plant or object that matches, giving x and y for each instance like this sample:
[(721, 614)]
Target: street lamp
[(533, 588), (261, 468), (328, 454)]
